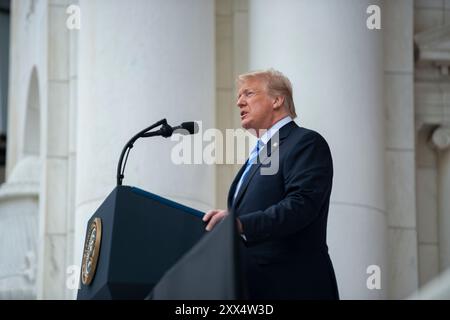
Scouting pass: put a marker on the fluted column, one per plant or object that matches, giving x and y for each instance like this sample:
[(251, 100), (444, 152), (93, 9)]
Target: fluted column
[(336, 66), (139, 63)]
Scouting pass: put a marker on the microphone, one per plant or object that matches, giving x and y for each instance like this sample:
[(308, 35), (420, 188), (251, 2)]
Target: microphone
[(166, 131), (191, 127)]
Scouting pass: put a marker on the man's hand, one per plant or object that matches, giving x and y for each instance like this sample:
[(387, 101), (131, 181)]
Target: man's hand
[(214, 216)]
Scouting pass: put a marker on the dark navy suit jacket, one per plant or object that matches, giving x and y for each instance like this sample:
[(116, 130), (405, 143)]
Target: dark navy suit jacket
[(284, 218)]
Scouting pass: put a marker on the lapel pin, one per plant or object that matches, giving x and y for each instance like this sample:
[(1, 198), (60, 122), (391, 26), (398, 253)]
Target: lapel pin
[(275, 145)]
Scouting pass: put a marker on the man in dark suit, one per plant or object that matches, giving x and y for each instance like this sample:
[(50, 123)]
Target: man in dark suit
[(281, 215)]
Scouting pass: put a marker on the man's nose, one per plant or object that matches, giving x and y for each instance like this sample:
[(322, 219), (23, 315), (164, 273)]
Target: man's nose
[(240, 102)]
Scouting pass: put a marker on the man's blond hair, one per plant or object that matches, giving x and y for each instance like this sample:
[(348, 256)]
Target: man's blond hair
[(277, 84)]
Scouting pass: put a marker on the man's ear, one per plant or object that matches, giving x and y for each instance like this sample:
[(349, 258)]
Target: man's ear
[(278, 102)]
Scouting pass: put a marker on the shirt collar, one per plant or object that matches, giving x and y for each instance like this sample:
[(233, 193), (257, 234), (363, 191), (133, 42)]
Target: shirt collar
[(274, 129)]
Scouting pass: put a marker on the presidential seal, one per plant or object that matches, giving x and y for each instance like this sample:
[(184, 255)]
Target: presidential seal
[(91, 251)]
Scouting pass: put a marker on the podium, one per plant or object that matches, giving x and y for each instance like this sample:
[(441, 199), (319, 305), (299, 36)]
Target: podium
[(209, 271), (140, 245)]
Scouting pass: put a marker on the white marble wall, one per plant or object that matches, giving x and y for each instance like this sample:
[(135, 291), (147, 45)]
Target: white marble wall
[(436, 289), (72, 149), (429, 113), (18, 230), (19, 203), (39, 124), (159, 64), (56, 218), (441, 139), (27, 51), (427, 209), (231, 60), (430, 13), (400, 148), (18, 239)]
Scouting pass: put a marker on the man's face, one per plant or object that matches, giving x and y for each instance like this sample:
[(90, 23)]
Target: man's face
[(256, 105)]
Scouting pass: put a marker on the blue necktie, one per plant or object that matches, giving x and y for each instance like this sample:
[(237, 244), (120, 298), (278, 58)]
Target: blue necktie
[(251, 160)]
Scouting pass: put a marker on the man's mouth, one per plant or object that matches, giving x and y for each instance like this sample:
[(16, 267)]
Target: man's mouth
[(243, 114)]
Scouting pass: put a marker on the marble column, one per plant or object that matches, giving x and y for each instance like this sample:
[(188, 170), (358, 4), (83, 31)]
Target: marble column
[(336, 66), (441, 139), (20, 195), (138, 64), (57, 187)]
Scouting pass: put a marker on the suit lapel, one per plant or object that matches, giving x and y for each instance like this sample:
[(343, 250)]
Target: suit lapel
[(234, 185), (266, 152)]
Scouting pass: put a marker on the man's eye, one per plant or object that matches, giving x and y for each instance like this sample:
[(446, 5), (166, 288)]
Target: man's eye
[(250, 93)]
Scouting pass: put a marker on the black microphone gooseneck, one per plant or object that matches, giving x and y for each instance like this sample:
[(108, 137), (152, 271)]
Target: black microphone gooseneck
[(165, 131)]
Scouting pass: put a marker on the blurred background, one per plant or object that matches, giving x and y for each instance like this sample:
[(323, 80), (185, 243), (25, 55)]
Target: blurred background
[(79, 78)]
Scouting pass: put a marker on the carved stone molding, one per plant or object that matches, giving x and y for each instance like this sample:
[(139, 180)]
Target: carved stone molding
[(434, 46), (432, 103), (441, 138), (432, 79)]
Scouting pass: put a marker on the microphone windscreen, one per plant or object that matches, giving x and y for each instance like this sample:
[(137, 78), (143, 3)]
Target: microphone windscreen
[(191, 127)]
